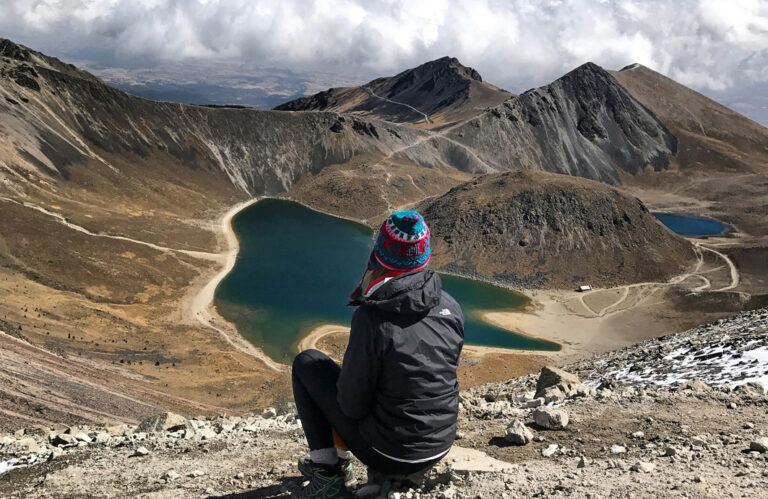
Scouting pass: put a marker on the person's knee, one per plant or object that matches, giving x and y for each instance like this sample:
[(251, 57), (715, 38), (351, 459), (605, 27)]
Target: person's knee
[(308, 358)]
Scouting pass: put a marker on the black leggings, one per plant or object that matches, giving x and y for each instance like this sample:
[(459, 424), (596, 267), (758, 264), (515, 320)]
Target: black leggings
[(314, 390)]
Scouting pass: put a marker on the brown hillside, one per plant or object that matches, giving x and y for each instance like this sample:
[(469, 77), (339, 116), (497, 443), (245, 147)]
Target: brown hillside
[(534, 229)]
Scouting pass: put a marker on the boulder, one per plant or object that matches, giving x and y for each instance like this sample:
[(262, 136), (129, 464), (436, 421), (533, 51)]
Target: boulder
[(140, 452), (550, 450), (618, 449), (695, 385), (269, 413), (38, 431), (167, 421), (759, 445), (102, 437), (116, 430), (83, 437), (63, 439), (553, 376), (553, 394), (551, 418), (642, 467), (519, 434)]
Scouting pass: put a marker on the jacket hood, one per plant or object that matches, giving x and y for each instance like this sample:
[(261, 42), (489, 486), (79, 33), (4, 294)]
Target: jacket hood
[(411, 293)]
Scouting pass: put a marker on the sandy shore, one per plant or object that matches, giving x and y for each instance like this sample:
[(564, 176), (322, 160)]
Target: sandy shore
[(200, 305), (311, 340), (316, 335), (561, 316)]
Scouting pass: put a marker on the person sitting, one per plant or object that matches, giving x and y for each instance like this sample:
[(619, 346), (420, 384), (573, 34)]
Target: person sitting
[(394, 401)]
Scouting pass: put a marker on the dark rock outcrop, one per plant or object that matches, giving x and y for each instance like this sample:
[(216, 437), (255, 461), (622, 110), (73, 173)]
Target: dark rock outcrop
[(534, 229), (584, 124)]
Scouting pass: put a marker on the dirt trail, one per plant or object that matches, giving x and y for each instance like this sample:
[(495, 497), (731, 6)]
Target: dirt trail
[(374, 94), (61, 219), (654, 286)]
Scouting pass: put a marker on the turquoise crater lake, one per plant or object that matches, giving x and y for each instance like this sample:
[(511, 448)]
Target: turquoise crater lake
[(296, 268)]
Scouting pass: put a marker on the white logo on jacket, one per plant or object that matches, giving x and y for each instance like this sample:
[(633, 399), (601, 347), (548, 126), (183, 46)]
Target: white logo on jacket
[(445, 311)]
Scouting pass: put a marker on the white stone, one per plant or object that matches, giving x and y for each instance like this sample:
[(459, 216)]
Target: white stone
[(759, 445), (550, 450), (618, 449), (642, 467), (551, 418), (518, 434)]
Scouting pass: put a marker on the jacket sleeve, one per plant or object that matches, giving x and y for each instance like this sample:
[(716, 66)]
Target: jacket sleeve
[(360, 369)]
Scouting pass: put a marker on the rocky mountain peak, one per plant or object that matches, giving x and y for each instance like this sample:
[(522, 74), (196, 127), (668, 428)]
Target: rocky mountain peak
[(12, 50), (444, 66)]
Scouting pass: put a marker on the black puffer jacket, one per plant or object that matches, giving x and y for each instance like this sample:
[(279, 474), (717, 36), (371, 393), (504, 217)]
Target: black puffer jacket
[(399, 371)]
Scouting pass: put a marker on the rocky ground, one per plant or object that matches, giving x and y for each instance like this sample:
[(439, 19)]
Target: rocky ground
[(658, 419)]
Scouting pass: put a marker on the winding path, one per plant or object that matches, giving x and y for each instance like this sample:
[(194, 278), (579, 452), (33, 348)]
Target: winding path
[(696, 273), (201, 303), (374, 94), (61, 219)]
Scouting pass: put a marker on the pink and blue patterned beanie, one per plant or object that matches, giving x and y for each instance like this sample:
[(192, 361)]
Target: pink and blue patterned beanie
[(402, 242)]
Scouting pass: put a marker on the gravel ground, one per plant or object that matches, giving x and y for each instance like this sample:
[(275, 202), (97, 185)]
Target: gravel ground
[(655, 420)]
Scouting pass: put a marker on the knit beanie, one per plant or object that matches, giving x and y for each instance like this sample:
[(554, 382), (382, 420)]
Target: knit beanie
[(403, 242)]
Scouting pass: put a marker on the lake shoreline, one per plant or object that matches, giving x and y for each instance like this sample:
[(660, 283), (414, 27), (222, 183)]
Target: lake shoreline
[(200, 305), (543, 318)]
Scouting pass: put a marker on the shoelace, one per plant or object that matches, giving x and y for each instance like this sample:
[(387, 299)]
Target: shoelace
[(322, 486)]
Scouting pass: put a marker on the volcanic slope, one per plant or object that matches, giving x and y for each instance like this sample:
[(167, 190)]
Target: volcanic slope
[(721, 167), (433, 95), (112, 207), (518, 227)]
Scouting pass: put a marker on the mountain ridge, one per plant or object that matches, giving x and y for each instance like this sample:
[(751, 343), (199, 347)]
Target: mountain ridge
[(433, 95)]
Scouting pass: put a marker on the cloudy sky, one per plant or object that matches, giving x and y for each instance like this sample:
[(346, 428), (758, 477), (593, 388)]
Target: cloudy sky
[(719, 47)]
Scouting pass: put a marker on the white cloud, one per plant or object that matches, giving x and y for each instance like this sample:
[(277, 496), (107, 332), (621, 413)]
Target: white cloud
[(708, 44)]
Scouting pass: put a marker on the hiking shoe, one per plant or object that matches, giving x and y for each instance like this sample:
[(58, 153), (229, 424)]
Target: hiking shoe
[(305, 468), (324, 482)]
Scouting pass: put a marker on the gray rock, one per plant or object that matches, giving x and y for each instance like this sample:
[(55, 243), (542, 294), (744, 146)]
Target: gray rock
[(102, 437), (551, 418), (63, 439), (638, 435), (695, 385), (617, 449), (643, 467), (517, 433), (531, 404), (550, 450), (583, 462), (116, 429), (171, 476), (166, 421), (551, 376), (83, 437), (553, 394), (38, 431), (759, 445), (269, 413), (140, 452), (206, 434), (670, 451)]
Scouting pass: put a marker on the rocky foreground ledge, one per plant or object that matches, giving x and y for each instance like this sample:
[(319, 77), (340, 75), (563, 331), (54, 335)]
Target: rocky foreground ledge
[(680, 416)]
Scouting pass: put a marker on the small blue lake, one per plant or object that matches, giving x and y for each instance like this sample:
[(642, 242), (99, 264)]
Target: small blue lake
[(296, 268), (690, 226)]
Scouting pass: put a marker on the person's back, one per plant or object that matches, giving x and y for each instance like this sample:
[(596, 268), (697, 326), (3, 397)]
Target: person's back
[(411, 332), (394, 402)]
